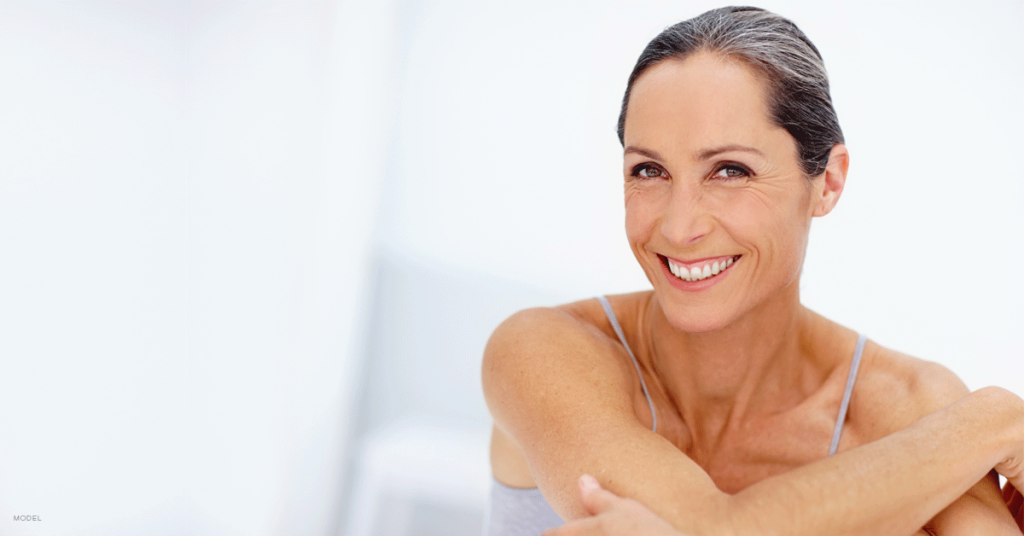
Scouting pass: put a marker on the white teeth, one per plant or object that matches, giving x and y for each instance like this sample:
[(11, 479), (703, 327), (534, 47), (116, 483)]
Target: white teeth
[(684, 274), (698, 274)]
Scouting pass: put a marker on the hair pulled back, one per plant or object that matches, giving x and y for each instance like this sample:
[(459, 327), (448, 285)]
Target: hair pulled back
[(790, 65)]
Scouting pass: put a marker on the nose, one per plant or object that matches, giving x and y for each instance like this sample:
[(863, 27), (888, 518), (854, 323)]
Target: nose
[(686, 219)]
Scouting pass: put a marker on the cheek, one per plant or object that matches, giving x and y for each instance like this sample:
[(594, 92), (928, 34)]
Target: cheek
[(636, 226), (748, 216), (793, 224), (641, 215), (776, 226)]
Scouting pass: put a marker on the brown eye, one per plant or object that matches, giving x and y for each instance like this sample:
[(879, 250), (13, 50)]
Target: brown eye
[(647, 171), (731, 172)]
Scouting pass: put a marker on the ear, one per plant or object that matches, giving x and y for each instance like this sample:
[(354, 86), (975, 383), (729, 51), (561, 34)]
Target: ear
[(833, 181)]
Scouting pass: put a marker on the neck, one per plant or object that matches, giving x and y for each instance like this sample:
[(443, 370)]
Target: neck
[(718, 380)]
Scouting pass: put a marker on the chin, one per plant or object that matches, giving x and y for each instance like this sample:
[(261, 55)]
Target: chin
[(692, 320)]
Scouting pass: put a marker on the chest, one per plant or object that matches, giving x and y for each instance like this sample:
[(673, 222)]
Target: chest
[(746, 454)]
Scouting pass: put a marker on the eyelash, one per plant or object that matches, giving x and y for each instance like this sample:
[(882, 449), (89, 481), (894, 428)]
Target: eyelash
[(640, 167), (744, 172)]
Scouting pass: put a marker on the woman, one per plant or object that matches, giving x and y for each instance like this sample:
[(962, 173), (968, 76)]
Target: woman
[(701, 398)]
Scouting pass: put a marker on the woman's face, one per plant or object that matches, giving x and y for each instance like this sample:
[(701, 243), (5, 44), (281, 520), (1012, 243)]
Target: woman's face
[(714, 191)]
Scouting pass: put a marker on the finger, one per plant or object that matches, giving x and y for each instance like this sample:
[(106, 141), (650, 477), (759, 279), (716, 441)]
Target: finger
[(595, 499)]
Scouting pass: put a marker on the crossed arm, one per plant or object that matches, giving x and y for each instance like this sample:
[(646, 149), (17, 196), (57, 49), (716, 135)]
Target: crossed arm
[(615, 516), (866, 490), (565, 429)]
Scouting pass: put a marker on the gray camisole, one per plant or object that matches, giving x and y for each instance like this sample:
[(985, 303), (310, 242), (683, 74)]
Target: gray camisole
[(525, 512)]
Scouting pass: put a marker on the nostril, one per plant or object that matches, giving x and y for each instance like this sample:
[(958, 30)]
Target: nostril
[(682, 235)]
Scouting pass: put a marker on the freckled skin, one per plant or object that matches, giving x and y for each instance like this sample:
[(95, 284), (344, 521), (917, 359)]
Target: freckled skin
[(746, 382)]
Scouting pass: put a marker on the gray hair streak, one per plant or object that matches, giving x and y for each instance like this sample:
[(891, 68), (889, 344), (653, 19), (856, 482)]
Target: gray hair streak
[(790, 65)]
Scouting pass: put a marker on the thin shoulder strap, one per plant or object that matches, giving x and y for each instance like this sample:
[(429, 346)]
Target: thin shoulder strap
[(861, 339), (622, 338)]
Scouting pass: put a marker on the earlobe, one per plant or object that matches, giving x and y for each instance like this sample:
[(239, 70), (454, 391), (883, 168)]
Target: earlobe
[(834, 180)]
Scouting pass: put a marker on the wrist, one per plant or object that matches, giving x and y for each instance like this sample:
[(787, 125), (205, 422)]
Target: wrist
[(1008, 408)]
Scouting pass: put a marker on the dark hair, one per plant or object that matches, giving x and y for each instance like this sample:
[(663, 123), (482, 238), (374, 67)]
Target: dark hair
[(790, 65)]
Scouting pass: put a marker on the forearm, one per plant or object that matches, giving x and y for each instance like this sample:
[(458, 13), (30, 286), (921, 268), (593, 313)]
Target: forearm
[(893, 485), (982, 510)]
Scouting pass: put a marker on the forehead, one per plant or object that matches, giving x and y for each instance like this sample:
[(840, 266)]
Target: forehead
[(703, 100)]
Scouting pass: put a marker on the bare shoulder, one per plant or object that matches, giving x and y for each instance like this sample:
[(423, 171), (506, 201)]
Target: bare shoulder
[(894, 390), (540, 358), (549, 376), (560, 388)]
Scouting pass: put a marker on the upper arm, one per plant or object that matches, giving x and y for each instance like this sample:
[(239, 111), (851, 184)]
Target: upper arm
[(904, 391), (555, 386)]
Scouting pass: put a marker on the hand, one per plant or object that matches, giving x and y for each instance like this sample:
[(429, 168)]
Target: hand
[(1011, 467), (1015, 502), (612, 516)]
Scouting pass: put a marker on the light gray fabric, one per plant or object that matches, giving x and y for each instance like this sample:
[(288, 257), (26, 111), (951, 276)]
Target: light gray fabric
[(622, 338), (518, 512), (838, 432), (525, 512)]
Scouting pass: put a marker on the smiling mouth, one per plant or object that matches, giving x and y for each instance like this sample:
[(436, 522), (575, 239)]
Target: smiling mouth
[(698, 272)]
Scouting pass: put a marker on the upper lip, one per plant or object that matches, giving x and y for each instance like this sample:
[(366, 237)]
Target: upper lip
[(699, 263)]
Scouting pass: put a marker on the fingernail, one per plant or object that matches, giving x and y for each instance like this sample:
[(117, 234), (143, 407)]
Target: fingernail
[(589, 482)]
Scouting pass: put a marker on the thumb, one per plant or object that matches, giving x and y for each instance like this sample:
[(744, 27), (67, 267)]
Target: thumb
[(595, 499)]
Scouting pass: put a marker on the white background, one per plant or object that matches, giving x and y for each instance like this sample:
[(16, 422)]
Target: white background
[(191, 194)]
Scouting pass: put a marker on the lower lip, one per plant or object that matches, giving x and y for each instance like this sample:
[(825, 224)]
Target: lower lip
[(694, 286)]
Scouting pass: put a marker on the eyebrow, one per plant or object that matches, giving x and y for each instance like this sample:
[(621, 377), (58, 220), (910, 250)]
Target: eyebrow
[(642, 151), (702, 155), (714, 151)]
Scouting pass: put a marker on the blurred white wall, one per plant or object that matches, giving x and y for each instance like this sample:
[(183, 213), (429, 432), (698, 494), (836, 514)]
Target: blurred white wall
[(93, 258), (191, 194)]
